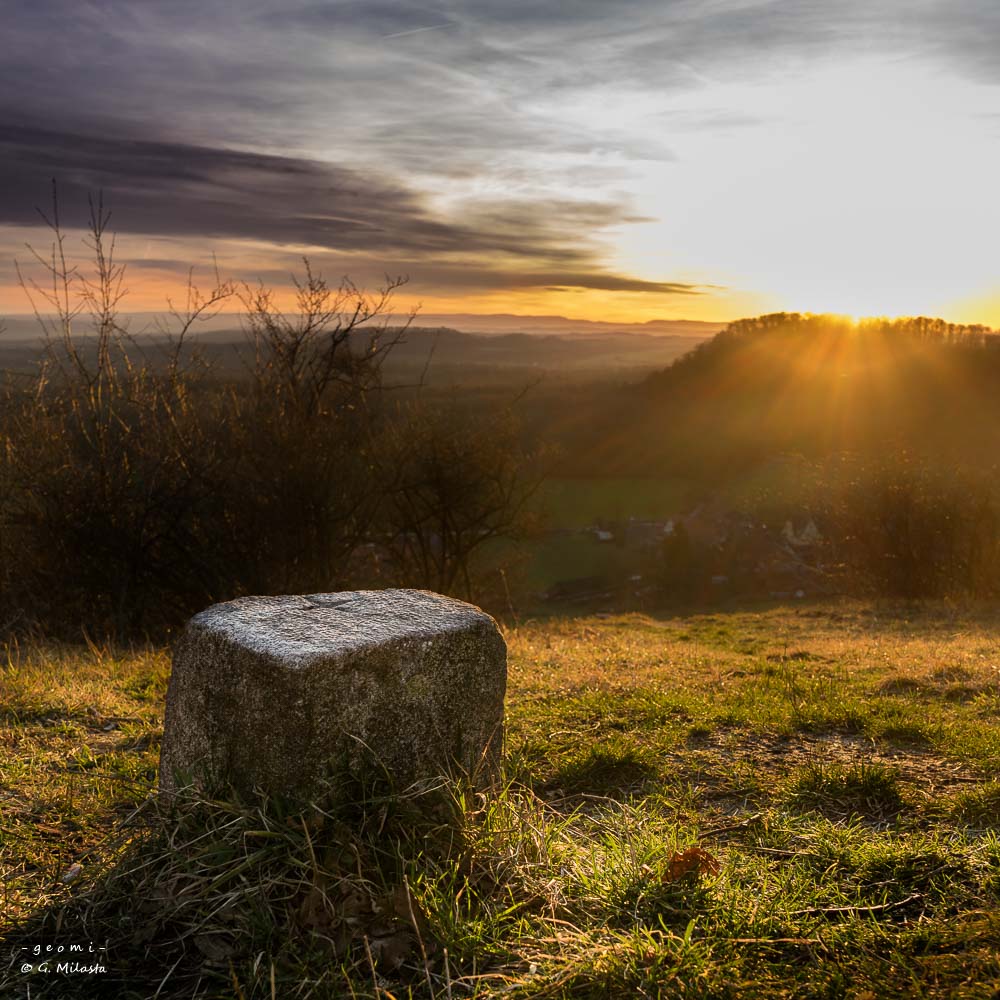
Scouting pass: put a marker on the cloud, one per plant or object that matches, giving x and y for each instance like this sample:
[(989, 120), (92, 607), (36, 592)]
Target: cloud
[(205, 193), (490, 137), (362, 81)]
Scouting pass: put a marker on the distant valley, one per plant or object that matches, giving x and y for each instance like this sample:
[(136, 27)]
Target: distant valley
[(489, 349)]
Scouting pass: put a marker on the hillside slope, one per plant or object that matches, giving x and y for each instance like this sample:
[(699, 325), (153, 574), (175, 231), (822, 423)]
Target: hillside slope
[(808, 385)]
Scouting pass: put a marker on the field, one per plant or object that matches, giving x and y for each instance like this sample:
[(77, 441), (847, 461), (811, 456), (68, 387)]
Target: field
[(581, 502), (571, 504), (776, 802)]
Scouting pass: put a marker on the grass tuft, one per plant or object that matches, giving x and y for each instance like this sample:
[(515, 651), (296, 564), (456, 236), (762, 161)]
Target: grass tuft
[(979, 806), (867, 789)]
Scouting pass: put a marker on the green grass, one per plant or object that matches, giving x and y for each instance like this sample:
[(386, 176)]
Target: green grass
[(794, 802), (567, 557), (581, 501), (871, 790)]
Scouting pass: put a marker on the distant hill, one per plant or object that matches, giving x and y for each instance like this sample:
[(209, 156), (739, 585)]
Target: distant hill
[(496, 323), (440, 354), (805, 385), (22, 327)]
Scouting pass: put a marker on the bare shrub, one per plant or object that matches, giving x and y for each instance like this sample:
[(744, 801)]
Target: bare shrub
[(455, 483), (910, 530), (106, 451), (302, 434)]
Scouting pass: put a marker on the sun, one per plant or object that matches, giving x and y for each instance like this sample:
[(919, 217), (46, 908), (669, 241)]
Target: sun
[(840, 195)]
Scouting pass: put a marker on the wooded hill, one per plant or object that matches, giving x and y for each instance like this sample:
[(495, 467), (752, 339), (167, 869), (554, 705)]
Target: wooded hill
[(807, 385)]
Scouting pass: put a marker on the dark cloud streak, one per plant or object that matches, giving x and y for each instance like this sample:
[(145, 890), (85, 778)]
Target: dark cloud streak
[(201, 192)]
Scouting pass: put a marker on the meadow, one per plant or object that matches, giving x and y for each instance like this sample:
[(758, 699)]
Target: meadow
[(776, 801), (583, 501)]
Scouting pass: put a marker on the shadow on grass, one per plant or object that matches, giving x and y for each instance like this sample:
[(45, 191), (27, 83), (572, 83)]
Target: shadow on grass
[(197, 892), (609, 772), (907, 736)]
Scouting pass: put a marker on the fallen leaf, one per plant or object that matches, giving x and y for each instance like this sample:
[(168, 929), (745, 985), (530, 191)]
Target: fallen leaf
[(215, 947), (318, 912), (692, 861), (407, 909), (392, 950)]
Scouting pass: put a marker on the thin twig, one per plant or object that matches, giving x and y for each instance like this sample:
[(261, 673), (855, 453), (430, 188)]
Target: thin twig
[(783, 940), (851, 911), (777, 851), (742, 825), (420, 938), (371, 965)]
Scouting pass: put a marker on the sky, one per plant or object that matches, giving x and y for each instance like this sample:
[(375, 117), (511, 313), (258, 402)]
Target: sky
[(625, 161)]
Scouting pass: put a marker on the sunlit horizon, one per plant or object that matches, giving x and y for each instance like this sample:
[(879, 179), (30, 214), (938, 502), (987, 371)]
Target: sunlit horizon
[(713, 162)]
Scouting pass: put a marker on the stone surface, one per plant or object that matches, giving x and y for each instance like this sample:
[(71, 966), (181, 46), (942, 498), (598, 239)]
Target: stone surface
[(274, 692)]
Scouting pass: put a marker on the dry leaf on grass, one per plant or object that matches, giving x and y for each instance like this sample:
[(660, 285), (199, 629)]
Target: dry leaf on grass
[(694, 861), (216, 948), (394, 925), (392, 950)]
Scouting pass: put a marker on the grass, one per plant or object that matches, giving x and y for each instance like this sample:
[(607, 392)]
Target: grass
[(581, 501), (858, 788), (791, 802), (556, 558)]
